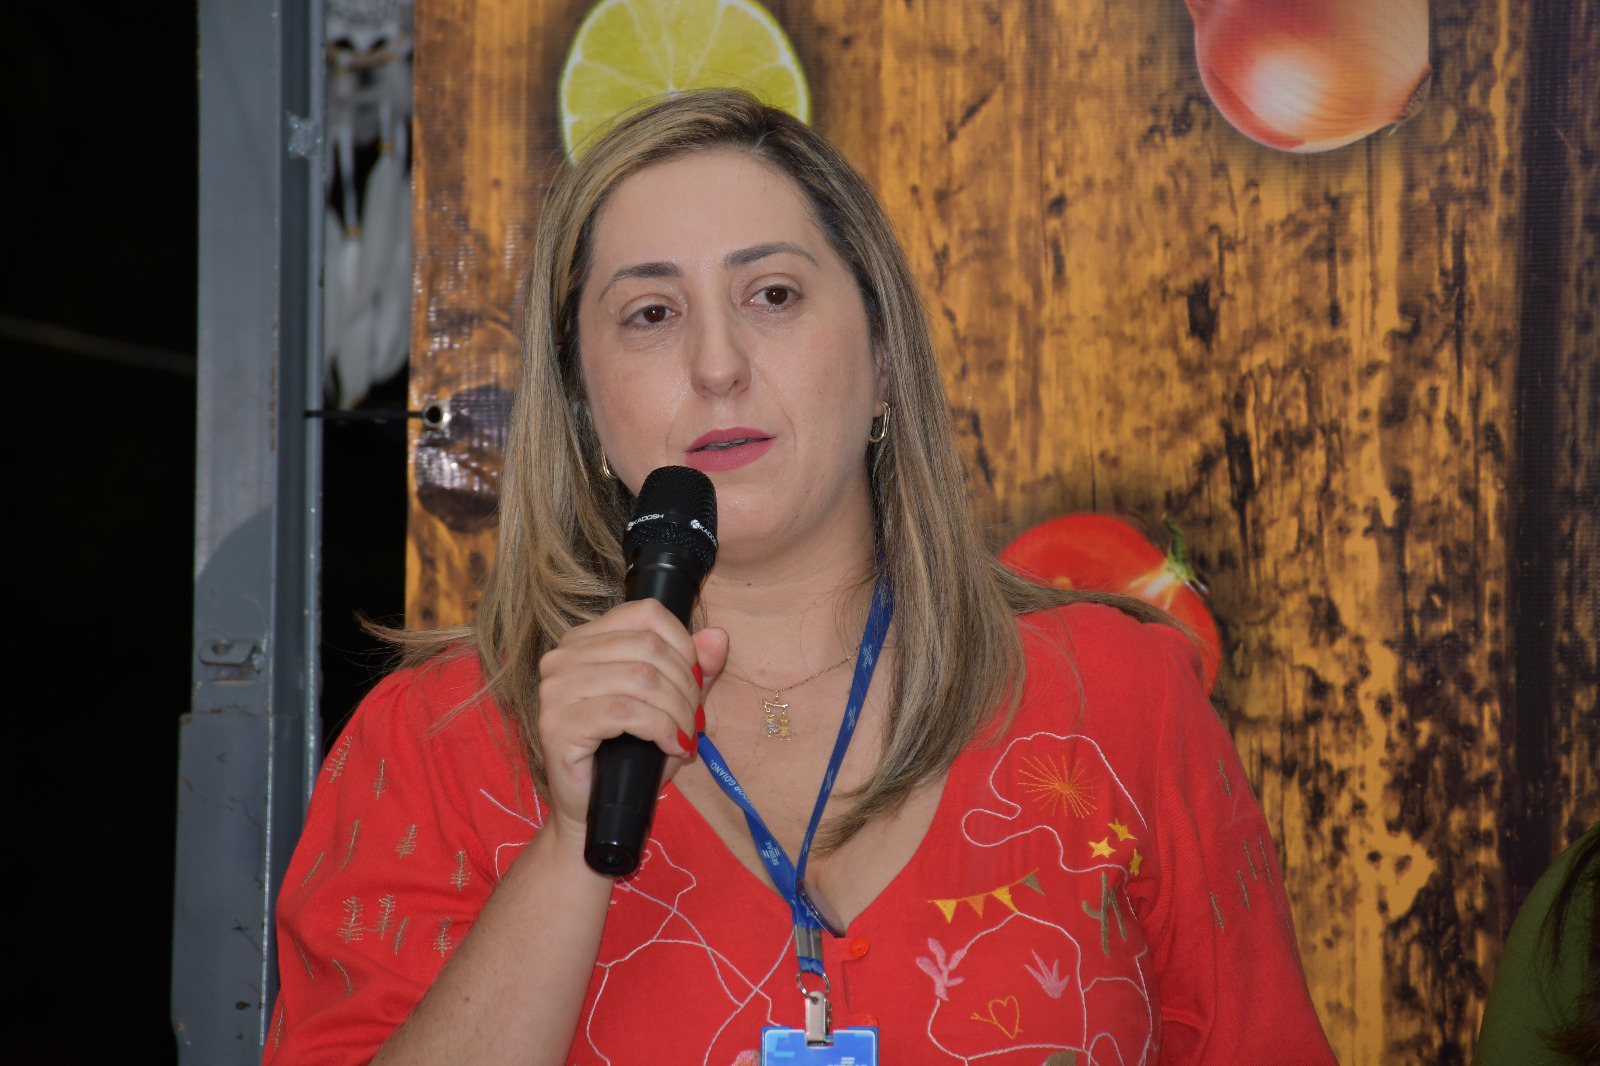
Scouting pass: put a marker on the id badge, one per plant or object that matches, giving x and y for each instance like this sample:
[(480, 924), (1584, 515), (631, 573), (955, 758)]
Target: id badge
[(787, 1047)]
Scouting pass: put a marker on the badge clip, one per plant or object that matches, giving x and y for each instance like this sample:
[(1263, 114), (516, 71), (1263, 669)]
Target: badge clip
[(819, 1014)]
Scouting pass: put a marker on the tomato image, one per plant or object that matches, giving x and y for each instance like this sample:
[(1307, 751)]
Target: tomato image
[(1099, 551)]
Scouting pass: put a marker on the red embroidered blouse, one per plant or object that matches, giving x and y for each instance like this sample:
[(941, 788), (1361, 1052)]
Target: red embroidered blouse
[(1099, 886)]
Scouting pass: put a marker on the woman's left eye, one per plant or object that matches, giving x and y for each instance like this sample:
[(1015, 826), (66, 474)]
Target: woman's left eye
[(775, 295)]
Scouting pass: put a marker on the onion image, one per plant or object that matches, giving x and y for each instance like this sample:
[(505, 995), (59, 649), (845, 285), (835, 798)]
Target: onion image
[(1310, 75)]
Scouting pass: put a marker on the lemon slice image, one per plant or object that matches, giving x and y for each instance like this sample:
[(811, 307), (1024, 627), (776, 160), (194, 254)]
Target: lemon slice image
[(627, 51)]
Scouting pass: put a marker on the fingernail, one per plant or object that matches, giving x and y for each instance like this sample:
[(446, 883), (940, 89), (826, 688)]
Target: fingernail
[(685, 743), (699, 722), (699, 678)]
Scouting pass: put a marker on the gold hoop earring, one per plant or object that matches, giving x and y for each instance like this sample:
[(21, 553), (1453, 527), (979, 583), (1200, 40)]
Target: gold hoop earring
[(605, 467), (883, 426)]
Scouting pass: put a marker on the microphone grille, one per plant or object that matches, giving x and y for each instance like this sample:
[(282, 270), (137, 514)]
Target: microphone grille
[(676, 505)]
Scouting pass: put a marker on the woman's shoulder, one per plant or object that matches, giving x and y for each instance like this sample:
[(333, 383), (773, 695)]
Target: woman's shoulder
[(1098, 641), (436, 711)]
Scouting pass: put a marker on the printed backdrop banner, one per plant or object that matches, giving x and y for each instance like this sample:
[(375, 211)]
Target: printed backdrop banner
[(1360, 379)]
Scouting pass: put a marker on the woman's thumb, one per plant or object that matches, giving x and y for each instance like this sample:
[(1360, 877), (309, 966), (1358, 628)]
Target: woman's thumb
[(711, 649)]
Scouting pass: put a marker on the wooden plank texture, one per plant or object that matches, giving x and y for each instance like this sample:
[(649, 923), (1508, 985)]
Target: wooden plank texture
[(1311, 363)]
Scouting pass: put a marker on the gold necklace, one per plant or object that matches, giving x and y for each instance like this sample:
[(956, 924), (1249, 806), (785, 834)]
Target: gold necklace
[(775, 713)]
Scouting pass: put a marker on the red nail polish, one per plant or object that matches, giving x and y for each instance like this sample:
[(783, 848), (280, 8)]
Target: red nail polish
[(699, 721), (685, 743), (699, 678)]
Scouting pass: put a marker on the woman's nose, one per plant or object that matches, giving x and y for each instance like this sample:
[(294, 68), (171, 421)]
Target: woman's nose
[(718, 363)]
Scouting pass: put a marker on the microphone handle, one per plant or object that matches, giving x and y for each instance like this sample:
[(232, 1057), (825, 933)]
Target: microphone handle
[(627, 770)]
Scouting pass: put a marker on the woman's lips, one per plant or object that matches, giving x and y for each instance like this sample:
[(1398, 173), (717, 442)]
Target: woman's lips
[(727, 449)]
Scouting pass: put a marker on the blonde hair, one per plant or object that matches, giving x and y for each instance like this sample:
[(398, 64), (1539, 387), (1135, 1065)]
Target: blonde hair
[(559, 562)]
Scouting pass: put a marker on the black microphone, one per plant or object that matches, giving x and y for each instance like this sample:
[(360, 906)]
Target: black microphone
[(670, 546)]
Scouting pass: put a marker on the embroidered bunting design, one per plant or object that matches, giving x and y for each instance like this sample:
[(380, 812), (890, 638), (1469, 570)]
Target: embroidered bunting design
[(947, 907)]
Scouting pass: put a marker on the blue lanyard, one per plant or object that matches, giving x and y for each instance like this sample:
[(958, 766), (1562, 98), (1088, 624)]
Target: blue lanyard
[(788, 876)]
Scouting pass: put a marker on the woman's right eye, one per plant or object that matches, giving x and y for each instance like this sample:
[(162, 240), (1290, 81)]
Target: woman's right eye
[(653, 315)]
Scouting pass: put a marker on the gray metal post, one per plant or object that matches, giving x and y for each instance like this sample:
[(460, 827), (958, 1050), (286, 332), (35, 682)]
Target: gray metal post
[(251, 745)]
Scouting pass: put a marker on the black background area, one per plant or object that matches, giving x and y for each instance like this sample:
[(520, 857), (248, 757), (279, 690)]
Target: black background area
[(98, 200)]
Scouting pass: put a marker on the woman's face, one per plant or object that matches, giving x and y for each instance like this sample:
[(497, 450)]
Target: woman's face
[(719, 330)]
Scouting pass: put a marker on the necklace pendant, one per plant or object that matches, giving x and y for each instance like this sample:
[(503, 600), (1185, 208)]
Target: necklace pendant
[(775, 716)]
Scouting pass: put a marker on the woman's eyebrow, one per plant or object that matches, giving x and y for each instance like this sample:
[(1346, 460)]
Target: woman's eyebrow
[(745, 256), (742, 257), (643, 270)]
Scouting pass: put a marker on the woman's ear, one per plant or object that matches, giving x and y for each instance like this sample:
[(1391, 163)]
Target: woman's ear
[(882, 359)]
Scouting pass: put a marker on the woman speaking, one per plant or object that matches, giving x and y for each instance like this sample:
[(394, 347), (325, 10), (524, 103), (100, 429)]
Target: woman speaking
[(1038, 846)]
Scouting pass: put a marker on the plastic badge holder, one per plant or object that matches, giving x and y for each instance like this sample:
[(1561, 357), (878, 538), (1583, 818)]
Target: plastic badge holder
[(856, 1046)]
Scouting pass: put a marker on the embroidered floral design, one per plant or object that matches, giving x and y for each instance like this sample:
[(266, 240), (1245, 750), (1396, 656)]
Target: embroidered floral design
[(317, 865), (940, 970), (336, 761), (350, 848), (349, 985), (385, 915), (408, 841), (442, 942), (462, 875), (381, 785), (351, 927), (1050, 980), (304, 959)]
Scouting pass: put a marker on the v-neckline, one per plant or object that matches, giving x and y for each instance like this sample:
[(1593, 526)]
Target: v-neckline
[(941, 814)]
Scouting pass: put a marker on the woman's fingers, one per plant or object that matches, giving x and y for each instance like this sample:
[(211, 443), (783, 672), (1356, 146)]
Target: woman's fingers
[(626, 666), (631, 671), (597, 720)]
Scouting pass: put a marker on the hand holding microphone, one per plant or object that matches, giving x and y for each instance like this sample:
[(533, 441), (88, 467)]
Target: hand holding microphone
[(632, 672), (670, 545)]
